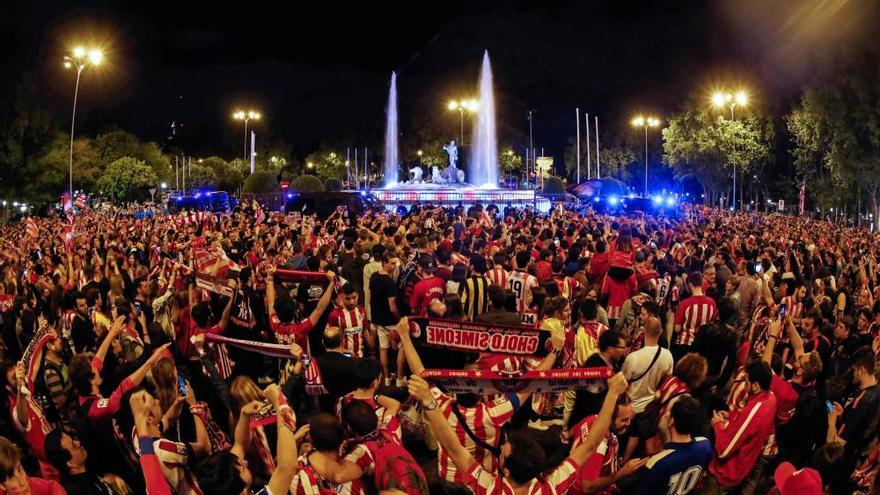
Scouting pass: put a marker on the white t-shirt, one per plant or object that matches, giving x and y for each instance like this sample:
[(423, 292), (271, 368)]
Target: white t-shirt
[(641, 392)]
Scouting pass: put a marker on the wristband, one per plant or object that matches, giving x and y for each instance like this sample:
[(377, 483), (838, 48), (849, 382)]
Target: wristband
[(146, 446)]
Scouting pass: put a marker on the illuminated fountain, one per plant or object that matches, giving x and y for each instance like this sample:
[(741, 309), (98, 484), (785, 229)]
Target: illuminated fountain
[(451, 184)]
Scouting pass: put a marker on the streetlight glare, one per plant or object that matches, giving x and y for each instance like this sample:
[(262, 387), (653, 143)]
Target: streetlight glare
[(96, 56), (67, 65), (453, 105), (653, 122), (719, 99), (471, 105), (742, 98), (638, 121), (79, 52)]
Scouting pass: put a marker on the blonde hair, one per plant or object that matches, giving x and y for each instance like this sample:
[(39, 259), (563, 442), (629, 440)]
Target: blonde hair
[(243, 391), (164, 375)]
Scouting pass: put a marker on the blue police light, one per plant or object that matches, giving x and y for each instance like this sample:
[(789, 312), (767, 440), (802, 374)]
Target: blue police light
[(289, 195), (658, 200), (613, 200), (364, 193), (596, 199), (670, 201)]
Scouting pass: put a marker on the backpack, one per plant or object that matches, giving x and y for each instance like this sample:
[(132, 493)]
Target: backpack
[(647, 423), (395, 467)]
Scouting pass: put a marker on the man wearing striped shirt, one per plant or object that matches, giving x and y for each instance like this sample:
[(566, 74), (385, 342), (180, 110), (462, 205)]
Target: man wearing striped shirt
[(475, 420), (521, 283), (351, 319), (522, 459), (498, 274), (474, 290), (692, 313)]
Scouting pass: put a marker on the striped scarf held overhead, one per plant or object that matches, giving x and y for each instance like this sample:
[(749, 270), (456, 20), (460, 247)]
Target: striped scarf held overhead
[(312, 374)]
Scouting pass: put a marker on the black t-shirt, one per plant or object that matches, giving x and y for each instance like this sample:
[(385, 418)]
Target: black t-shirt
[(336, 372), (82, 331), (85, 484), (859, 420), (381, 289)]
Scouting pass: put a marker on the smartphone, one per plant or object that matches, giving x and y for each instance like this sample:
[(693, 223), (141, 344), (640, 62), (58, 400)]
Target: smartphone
[(759, 267), (829, 406), (782, 309), (181, 385)]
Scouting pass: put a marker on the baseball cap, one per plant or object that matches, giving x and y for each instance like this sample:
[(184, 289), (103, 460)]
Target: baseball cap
[(791, 481), (427, 262)]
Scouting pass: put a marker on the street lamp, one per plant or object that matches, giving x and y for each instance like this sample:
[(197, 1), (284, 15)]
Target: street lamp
[(420, 156), (646, 122), (461, 106), (79, 58), (246, 116), (726, 99)]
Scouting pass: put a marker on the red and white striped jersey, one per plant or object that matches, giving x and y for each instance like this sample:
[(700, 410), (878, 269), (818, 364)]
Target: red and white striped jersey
[(498, 276), (671, 387), (308, 482), (793, 308), (353, 324), (521, 284), (693, 313), (485, 420), (557, 482)]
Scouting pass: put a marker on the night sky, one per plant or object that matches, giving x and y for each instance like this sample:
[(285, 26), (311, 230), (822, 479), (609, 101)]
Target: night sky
[(319, 70)]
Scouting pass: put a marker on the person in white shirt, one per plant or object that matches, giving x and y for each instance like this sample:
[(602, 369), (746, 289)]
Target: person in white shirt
[(644, 373)]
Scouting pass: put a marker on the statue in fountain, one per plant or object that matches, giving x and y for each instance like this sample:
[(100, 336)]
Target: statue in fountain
[(415, 175), (452, 150), (451, 174)]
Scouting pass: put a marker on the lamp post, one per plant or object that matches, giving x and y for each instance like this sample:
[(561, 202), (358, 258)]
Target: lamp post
[(246, 116), (722, 99), (79, 58), (420, 157), (461, 106), (645, 122)]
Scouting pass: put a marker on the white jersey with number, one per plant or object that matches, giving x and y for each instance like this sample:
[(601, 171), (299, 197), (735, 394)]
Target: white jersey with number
[(521, 284)]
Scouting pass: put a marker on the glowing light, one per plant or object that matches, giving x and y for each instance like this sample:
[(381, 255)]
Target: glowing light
[(79, 52), (23, 208), (720, 99), (741, 98), (453, 105), (310, 164), (164, 185), (96, 56), (638, 121), (670, 201), (658, 200), (613, 200), (67, 65)]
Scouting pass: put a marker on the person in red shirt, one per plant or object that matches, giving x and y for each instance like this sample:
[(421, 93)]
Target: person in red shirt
[(282, 314), (740, 436), (15, 481), (602, 469), (428, 288), (692, 313), (351, 319)]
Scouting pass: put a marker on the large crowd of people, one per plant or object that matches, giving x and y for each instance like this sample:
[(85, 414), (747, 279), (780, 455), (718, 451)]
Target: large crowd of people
[(257, 352)]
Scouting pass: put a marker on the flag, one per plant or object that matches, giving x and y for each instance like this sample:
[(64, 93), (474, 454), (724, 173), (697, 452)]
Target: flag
[(33, 354), (801, 196), (31, 228), (259, 215)]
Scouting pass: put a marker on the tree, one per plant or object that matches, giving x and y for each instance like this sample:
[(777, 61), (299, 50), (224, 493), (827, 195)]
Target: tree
[(115, 144), (201, 176), (836, 129), (25, 129), (127, 178), (510, 162), (261, 182), (327, 164), (48, 173), (703, 146), (227, 177), (617, 162), (306, 183)]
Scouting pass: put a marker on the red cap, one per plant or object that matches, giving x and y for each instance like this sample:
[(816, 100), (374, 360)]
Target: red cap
[(790, 481)]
